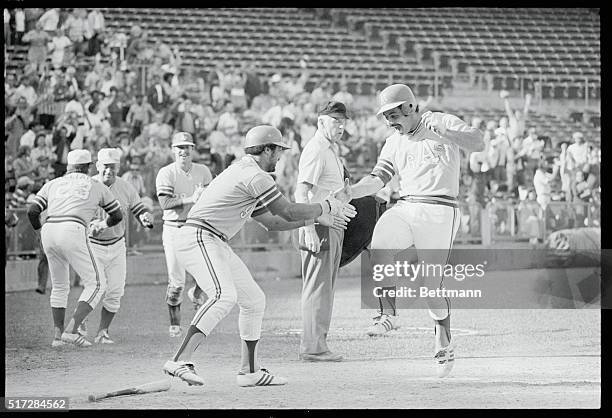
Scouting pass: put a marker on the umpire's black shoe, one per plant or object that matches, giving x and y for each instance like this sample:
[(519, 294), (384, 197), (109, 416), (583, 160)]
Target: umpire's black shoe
[(326, 356), (41, 291)]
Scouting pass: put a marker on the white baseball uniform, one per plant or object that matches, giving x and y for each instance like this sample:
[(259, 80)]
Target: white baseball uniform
[(71, 202), (109, 246), (172, 181), (427, 216), (240, 191)]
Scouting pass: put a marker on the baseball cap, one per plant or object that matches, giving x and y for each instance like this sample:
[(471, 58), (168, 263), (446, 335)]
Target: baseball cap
[(108, 156), (264, 135), (182, 138), (79, 156), (334, 109), (24, 181), (577, 135)]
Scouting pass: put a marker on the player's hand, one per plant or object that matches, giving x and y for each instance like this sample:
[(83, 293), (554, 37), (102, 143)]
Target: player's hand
[(146, 219), (339, 208), (345, 194), (311, 239), (434, 124), (97, 226), (331, 221)]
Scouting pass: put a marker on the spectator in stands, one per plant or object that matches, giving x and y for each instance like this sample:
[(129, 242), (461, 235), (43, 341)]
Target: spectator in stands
[(565, 173), (135, 44), (29, 136), (220, 155), (516, 119), (134, 176), (31, 17), (158, 128), (49, 20), (108, 81), (61, 54), (23, 164), (27, 91), (114, 107), (530, 214), (10, 86), (228, 122), (139, 115), (236, 81), (95, 20), (93, 80), (43, 170), (578, 152), (17, 124), (41, 147), (252, 86), (46, 108), (20, 25), (185, 119), (542, 183), (217, 78), (343, 95), (78, 30), (275, 86), (157, 95), (293, 86), (62, 141), (321, 94)]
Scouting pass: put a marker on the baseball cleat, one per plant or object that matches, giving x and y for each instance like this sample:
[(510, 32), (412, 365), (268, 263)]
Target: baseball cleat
[(445, 360), (382, 324), (184, 370), (262, 377), (75, 339), (57, 343), (103, 338), (197, 302), (175, 331)]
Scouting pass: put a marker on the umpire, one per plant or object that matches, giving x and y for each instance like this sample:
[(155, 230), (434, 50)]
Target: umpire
[(320, 172)]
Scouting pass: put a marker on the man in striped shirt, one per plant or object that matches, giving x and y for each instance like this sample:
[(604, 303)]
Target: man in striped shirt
[(245, 189), (71, 202), (424, 154), (108, 246)]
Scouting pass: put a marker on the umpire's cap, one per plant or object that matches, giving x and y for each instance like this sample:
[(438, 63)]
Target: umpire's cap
[(334, 109), (395, 95), (264, 135)]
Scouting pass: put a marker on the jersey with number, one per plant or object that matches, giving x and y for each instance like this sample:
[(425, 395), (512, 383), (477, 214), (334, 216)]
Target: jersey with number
[(424, 165), (240, 191), (75, 197), (128, 199), (172, 181)]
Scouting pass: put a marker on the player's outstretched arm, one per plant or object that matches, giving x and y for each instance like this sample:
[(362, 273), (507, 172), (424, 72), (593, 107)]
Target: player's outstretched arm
[(301, 211), (367, 186), (276, 223), (34, 212)]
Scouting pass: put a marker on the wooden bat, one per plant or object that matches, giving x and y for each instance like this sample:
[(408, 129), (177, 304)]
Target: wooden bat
[(157, 386)]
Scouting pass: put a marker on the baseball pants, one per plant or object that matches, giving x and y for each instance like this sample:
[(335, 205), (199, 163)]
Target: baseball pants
[(113, 261), (224, 278), (66, 244), (319, 273), (176, 273), (426, 226)]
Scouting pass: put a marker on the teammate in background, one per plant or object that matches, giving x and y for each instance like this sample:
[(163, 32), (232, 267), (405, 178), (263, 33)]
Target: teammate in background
[(179, 185), (424, 153), (245, 189), (108, 246), (516, 120), (72, 202)]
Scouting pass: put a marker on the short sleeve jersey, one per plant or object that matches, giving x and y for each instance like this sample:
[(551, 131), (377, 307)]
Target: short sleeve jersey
[(128, 199), (75, 196), (172, 181), (240, 191), (425, 166)]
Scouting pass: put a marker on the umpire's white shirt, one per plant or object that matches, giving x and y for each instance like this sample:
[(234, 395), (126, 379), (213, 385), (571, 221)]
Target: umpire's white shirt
[(320, 166)]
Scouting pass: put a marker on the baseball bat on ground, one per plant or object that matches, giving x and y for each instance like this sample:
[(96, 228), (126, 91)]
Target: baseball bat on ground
[(157, 386)]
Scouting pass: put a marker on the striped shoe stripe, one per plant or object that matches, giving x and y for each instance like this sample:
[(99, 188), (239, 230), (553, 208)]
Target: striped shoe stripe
[(269, 379), (79, 341), (261, 379), (200, 313), (95, 266), (387, 324)]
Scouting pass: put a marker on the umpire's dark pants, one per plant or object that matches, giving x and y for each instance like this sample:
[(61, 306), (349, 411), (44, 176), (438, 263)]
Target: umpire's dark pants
[(319, 273)]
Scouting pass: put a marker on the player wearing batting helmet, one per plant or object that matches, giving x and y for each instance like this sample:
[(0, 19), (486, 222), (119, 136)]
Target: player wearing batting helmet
[(244, 189), (424, 154)]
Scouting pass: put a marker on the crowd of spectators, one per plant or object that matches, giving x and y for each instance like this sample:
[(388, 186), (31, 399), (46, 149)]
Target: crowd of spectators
[(86, 86)]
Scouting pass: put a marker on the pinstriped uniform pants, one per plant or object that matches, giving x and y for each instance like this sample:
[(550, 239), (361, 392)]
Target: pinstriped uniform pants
[(66, 244), (225, 279)]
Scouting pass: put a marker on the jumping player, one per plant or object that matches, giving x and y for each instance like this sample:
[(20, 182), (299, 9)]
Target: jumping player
[(179, 185), (424, 153), (72, 202), (244, 189)]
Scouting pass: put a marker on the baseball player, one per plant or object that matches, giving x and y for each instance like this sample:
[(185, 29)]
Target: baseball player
[(179, 185), (108, 246), (244, 189), (71, 202), (424, 153)]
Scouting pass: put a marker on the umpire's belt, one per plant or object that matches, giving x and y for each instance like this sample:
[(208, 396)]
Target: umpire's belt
[(199, 223), (58, 219), (176, 224), (434, 200)]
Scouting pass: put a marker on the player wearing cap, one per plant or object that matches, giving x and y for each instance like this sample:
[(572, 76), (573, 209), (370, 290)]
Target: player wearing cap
[(108, 245), (245, 189), (424, 154), (71, 202), (179, 185), (320, 173)]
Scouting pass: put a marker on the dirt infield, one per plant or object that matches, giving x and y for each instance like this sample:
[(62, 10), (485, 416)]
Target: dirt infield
[(505, 358)]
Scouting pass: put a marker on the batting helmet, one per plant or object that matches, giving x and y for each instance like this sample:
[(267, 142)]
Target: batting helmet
[(395, 95), (264, 135)]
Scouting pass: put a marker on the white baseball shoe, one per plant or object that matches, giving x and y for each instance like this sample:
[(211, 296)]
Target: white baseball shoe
[(103, 338), (75, 339), (197, 302), (184, 370), (175, 331), (382, 324), (262, 377), (445, 360), (57, 343)]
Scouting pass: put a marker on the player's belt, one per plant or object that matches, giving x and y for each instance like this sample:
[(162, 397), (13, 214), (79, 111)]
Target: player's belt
[(176, 224), (198, 223), (434, 200), (59, 219), (105, 242)]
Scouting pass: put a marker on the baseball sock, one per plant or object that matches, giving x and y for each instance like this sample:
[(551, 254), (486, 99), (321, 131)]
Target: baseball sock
[(249, 356), (192, 340), (105, 319), (390, 302), (175, 314), (59, 315), (83, 309), (443, 332)]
